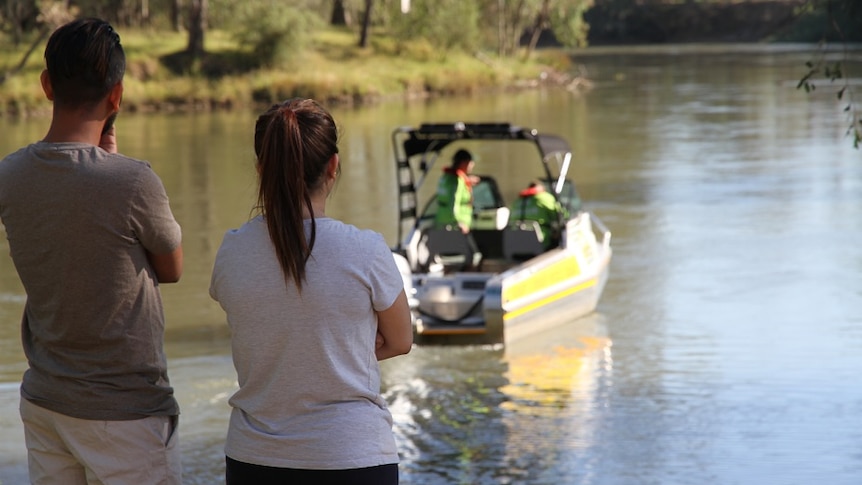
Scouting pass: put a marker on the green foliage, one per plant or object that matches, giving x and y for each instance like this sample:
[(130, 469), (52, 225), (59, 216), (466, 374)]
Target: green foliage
[(274, 32), (225, 14), (508, 21), (18, 17), (445, 24), (568, 24), (834, 72), (825, 20)]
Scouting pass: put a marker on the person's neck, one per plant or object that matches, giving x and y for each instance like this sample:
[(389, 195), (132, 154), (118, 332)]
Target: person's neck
[(318, 205), (74, 127)]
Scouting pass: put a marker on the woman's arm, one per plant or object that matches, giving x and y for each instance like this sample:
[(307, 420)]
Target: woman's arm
[(394, 329)]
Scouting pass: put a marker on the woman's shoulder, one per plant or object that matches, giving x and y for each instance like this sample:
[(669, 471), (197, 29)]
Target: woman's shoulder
[(349, 232), (335, 225), (252, 228)]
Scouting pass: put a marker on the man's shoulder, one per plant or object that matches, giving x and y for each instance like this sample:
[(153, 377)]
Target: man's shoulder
[(8, 162), (131, 166), (72, 151)]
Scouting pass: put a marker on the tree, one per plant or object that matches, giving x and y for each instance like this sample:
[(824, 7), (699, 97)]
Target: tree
[(513, 19), (565, 18), (567, 21), (18, 17), (339, 15), (443, 24), (197, 27), (51, 16), (176, 15), (276, 32), (366, 24)]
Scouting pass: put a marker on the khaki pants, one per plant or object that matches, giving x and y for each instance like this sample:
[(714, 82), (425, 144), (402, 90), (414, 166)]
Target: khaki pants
[(71, 451)]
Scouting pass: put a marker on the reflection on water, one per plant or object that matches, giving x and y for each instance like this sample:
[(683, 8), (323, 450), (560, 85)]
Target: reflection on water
[(728, 342), (488, 413)]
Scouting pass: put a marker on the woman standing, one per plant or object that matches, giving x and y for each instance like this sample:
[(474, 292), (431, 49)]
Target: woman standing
[(313, 304)]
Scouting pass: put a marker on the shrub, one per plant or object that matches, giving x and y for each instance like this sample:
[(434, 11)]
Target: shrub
[(274, 32)]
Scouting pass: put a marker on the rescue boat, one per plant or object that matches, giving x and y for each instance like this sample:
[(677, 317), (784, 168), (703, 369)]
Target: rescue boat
[(521, 284)]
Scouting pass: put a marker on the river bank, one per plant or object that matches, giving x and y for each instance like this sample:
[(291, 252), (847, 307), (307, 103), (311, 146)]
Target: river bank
[(160, 78)]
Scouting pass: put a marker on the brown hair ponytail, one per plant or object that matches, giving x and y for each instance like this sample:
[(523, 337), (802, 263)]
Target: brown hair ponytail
[(293, 142)]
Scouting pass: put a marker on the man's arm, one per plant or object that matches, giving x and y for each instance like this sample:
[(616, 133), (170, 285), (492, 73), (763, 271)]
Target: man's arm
[(168, 267)]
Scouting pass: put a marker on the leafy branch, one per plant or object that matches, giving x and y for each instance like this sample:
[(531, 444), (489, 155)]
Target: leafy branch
[(835, 72)]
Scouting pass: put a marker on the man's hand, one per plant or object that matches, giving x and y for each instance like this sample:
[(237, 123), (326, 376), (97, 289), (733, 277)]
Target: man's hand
[(108, 141)]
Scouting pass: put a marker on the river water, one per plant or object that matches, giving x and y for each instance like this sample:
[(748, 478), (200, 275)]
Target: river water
[(726, 349)]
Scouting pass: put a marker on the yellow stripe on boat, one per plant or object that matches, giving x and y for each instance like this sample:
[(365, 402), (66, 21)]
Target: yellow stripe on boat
[(552, 298), (546, 277)]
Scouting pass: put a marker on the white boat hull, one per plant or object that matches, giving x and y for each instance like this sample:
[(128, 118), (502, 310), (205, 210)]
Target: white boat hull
[(485, 307)]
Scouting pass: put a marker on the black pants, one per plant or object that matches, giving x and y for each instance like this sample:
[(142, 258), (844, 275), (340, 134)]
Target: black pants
[(239, 473)]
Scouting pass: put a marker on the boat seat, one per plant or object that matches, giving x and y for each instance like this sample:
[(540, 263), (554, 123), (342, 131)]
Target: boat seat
[(450, 248), (489, 242), (523, 240)]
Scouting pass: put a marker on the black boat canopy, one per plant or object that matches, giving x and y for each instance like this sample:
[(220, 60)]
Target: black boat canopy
[(432, 138), (435, 136)]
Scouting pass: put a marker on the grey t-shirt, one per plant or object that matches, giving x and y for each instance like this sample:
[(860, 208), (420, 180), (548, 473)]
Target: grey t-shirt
[(309, 382), (79, 222)]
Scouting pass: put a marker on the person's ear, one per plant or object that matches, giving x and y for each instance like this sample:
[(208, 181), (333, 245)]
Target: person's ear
[(115, 97), (332, 166), (45, 79)]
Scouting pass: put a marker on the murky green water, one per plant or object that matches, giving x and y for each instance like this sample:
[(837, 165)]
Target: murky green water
[(727, 348)]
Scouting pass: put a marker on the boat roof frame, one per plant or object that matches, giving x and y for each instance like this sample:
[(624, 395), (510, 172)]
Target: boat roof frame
[(436, 136), (409, 142)]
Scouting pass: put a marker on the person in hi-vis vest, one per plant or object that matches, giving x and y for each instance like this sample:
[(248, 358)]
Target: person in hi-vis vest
[(455, 193), (535, 203)]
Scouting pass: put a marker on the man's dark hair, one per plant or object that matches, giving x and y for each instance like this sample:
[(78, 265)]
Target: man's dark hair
[(85, 61)]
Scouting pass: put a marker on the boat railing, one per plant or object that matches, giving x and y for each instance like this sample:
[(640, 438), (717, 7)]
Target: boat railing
[(602, 230)]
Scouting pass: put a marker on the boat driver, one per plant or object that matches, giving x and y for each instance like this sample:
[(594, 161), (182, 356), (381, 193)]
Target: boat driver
[(455, 199), (455, 193)]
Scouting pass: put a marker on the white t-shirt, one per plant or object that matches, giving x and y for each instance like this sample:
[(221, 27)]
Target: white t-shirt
[(309, 382)]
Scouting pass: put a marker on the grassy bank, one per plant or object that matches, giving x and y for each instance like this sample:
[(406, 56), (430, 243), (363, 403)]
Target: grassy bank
[(332, 69)]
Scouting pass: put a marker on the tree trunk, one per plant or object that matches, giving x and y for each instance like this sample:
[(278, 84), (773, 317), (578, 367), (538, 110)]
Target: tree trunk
[(43, 34), (366, 23), (176, 15), (197, 27), (542, 20), (501, 28), (339, 15)]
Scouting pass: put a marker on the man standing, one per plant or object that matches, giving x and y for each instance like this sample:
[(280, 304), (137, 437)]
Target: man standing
[(91, 234)]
